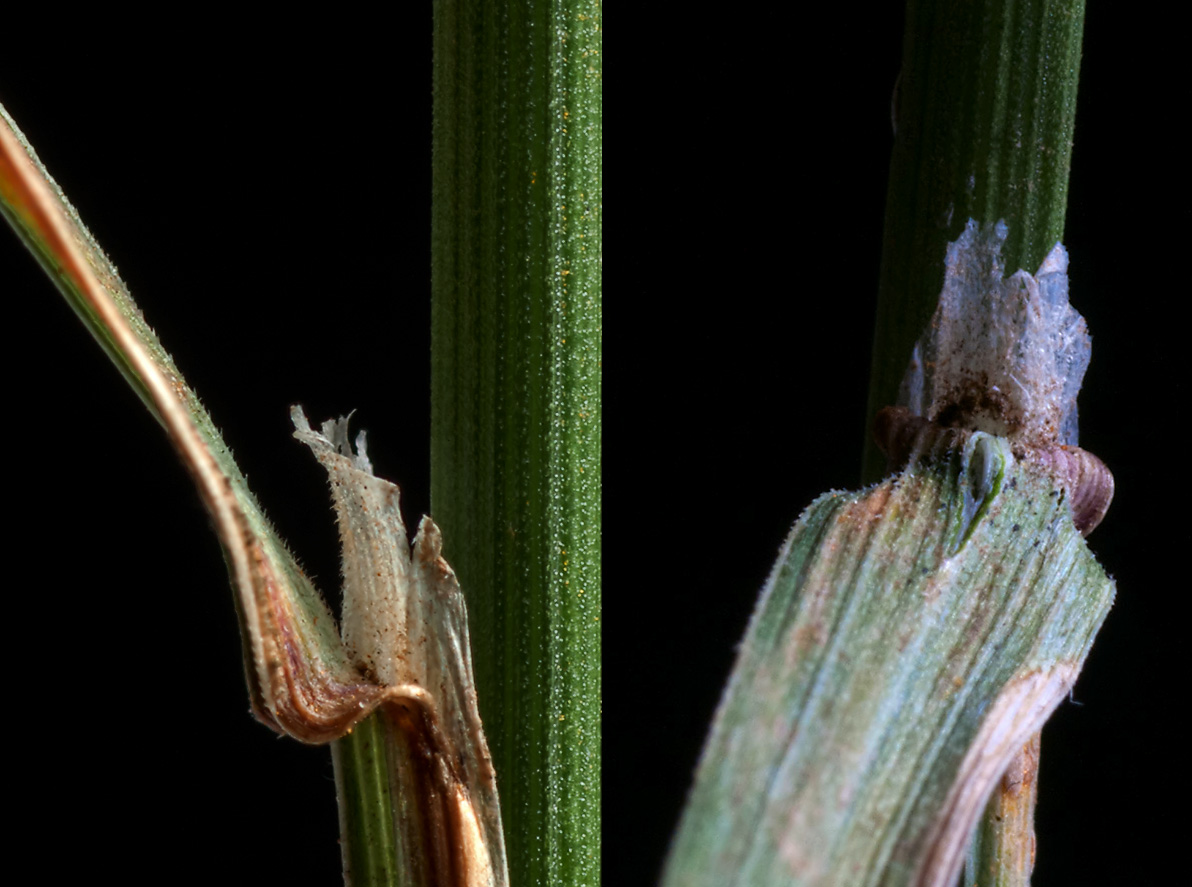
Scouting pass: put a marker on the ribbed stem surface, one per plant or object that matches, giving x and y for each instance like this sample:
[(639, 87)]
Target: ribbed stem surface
[(985, 110), (515, 440)]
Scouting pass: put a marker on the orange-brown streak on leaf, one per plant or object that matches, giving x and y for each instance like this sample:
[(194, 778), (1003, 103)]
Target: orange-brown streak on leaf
[(311, 705), (295, 689)]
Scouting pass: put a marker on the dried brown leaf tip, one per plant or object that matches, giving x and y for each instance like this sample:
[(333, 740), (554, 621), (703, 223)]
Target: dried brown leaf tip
[(1006, 356)]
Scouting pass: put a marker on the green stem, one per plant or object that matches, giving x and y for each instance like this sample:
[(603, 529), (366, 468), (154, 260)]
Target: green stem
[(364, 786), (985, 113), (1002, 853), (985, 110), (515, 438)]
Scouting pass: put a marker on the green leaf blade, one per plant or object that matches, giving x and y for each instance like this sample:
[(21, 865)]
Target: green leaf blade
[(865, 707)]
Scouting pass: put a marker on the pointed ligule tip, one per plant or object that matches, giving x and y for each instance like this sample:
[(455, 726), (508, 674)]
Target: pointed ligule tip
[(361, 459), (428, 543), (303, 431), (298, 417), (1056, 261), (336, 431), (428, 551)]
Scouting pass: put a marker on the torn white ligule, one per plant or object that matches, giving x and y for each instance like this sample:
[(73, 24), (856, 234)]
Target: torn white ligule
[(333, 434), (1001, 355), (405, 626), (376, 625), (1005, 356)]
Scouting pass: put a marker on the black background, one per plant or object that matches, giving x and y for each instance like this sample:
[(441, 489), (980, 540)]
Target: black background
[(263, 187)]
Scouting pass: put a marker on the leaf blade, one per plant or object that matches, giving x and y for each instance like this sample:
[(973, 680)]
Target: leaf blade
[(922, 670)]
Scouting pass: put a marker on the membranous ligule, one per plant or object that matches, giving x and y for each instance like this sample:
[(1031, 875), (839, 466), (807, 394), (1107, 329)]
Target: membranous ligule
[(1004, 356)]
